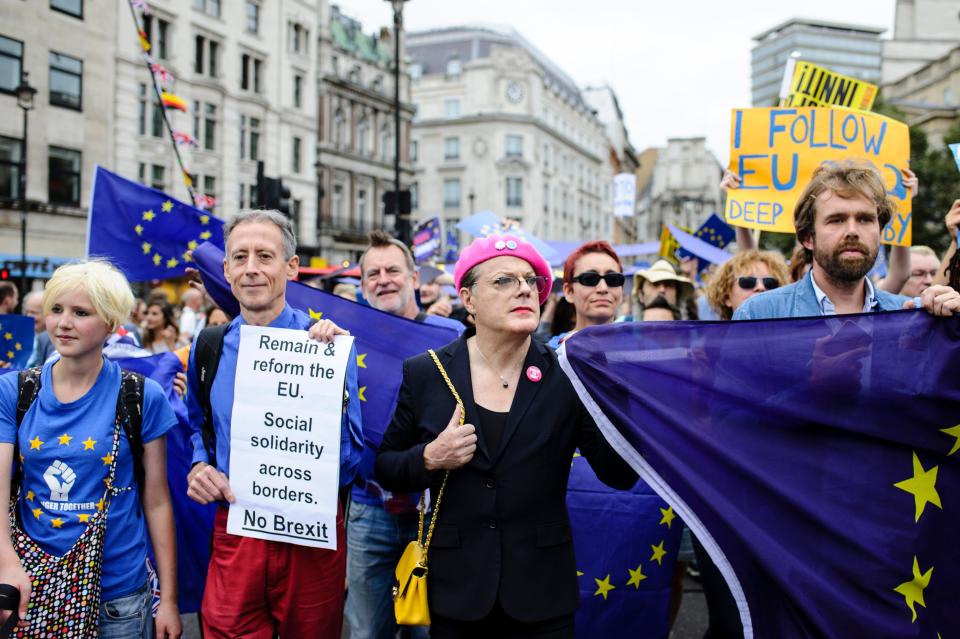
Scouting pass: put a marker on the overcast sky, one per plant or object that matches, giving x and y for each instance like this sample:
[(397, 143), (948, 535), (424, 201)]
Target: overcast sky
[(678, 66)]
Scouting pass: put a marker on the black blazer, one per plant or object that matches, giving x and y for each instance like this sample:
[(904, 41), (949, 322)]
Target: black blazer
[(503, 530)]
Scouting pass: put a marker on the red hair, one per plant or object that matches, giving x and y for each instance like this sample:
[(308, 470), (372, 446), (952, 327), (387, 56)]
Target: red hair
[(595, 246)]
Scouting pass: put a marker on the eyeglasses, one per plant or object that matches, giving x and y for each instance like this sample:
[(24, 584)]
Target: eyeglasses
[(592, 278), (510, 283), (749, 282)]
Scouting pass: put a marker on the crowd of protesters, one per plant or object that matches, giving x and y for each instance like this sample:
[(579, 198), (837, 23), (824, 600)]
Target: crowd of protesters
[(502, 559)]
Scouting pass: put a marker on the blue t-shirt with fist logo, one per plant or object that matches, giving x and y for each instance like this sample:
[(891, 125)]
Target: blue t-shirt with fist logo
[(66, 452)]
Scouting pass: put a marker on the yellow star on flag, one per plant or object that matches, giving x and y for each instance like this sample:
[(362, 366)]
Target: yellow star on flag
[(108, 459), (315, 315), (100, 505), (149, 215), (360, 392), (157, 259), (603, 587), (17, 346), (167, 206), (361, 363), (35, 443), (147, 247), (64, 439), (8, 336), (57, 522), (668, 516), (186, 256), (579, 573), (636, 576), (36, 512), (172, 262), (204, 219), (10, 354), (923, 487), (84, 518), (206, 235), (953, 432), (192, 245), (138, 229), (88, 443), (30, 495), (912, 590), (658, 553)]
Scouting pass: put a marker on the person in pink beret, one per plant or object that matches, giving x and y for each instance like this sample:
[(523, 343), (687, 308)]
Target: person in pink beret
[(501, 558)]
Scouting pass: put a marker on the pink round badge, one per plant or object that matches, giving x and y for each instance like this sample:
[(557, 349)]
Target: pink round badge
[(534, 374)]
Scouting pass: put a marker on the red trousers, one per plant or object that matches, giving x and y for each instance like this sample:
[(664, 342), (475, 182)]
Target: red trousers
[(258, 589)]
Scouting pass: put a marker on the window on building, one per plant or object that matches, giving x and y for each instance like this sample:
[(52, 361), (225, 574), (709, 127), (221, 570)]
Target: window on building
[(296, 162), (414, 197), (253, 17), (454, 68), (386, 143), (514, 146), (361, 205), (158, 177), (451, 193), (206, 56), (363, 136), (298, 38), (150, 113), (546, 198), (70, 7), (210, 187), (339, 128), (63, 178), (66, 81), (414, 151), (10, 158), (514, 191), (158, 31), (297, 90), (451, 108), (209, 126), (209, 7), (249, 138), (451, 149), (338, 201), (251, 72), (11, 64)]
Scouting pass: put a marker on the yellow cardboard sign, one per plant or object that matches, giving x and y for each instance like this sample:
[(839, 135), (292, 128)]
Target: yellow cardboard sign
[(775, 151), (813, 86), (669, 244)]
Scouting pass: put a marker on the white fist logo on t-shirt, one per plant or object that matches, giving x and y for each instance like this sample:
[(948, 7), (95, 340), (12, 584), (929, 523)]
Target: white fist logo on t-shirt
[(60, 478)]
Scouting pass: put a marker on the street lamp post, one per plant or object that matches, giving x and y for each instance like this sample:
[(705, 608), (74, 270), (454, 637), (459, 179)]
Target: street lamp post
[(25, 95), (402, 219)]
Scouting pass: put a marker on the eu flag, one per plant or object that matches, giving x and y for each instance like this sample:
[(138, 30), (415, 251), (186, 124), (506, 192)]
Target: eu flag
[(427, 240), (715, 232), (487, 223), (16, 340), (815, 459), (144, 232), (383, 340), (453, 248)]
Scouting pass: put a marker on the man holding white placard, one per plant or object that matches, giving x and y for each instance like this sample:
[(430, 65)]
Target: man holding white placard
[(275, 437)]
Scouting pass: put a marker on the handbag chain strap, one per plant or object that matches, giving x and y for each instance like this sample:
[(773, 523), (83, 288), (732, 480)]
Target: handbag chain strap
[(446, 474)]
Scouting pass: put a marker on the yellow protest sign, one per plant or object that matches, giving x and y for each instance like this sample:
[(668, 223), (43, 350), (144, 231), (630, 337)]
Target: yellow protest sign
[(813, 86), (775, 151), (668, 244)]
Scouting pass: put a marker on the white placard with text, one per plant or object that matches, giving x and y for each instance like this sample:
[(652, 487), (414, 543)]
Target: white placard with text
[(285, 436)]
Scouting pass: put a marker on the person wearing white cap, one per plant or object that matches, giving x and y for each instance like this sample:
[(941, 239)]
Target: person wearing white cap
[(661, 279)]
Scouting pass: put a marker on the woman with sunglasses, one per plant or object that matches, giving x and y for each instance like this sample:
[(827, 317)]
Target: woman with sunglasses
[(593, 284), (743, 276), (501, 556)]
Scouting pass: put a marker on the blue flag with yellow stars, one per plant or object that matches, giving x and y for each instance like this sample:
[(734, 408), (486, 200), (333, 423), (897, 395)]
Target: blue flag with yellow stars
[(16, 341), (625, 580), (715, 232), (453, 248), (820, 472), (144, 232), (383, 340)]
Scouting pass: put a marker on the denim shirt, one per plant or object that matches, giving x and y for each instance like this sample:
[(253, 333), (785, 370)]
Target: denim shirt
[(800, 299), (221, 398)]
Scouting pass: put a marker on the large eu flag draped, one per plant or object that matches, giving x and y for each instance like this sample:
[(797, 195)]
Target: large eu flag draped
[(16, 340), (144, 232), (383, 340), (815, 459)]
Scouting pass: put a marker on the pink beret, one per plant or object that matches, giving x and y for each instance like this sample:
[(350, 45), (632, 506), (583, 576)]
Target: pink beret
[(487, 248)]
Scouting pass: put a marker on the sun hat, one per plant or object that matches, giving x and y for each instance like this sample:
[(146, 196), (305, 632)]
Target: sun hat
[(487, 248), (663, 271)]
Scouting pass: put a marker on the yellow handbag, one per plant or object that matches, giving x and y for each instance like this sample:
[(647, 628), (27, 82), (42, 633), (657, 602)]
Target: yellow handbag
[(410, 588)]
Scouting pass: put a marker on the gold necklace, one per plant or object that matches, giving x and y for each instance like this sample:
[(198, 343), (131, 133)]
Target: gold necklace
[(503, 380)]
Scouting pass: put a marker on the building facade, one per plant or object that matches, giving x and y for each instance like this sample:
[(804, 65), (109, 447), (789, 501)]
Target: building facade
[(930, 96), (682, 189), (851, 50), (499, 127), (355, 137), (64, 46), (923, 31)]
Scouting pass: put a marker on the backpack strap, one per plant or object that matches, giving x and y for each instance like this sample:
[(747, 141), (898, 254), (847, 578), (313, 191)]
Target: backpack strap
[(28, 387), (130, 410), (207, 358)]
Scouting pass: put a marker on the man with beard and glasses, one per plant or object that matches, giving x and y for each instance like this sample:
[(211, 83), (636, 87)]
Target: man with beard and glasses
[(839, 218)]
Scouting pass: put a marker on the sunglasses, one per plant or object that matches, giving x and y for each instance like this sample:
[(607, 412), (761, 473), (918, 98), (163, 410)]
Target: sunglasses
[(749, 282), (592, 278)]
